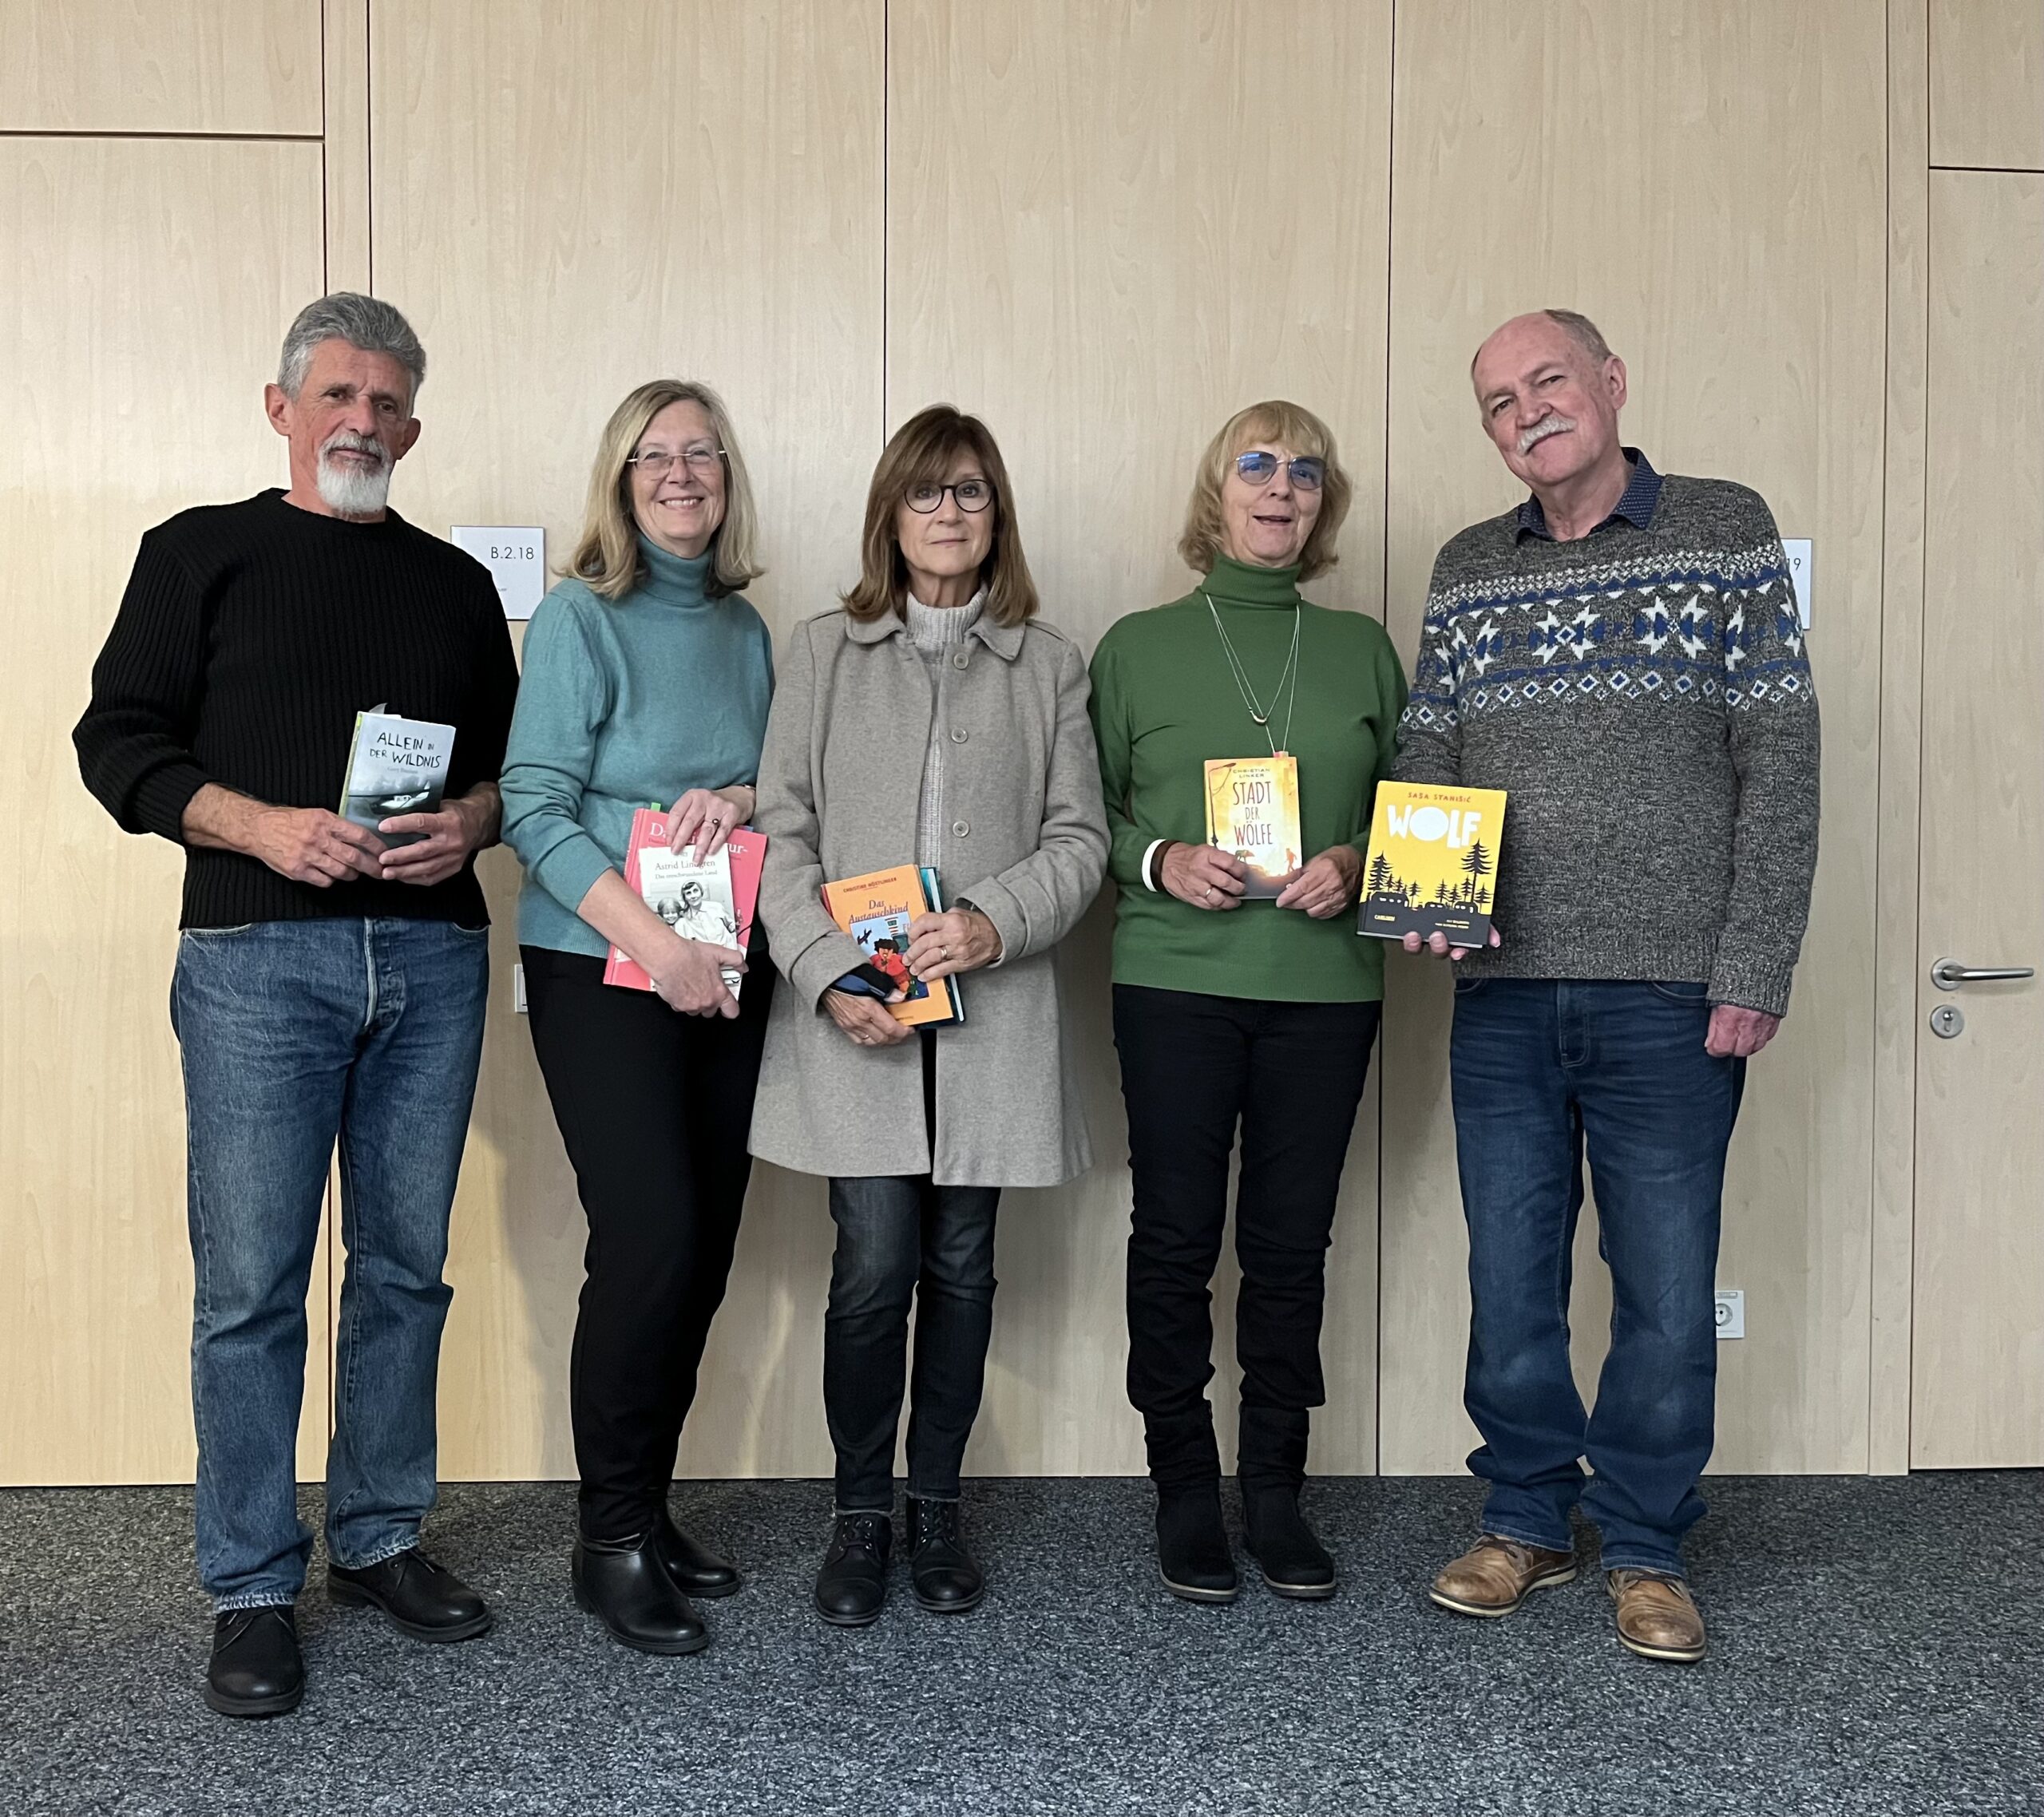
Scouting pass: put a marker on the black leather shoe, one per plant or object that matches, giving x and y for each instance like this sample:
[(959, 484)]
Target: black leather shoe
[(694, 1569), (1294, 1562), (422, 1599), (852, 1583), (623, 1583), (947, 1577), (256, 1669), (1192, 1544)]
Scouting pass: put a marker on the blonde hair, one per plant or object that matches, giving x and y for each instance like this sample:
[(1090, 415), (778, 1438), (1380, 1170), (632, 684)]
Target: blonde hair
[(607, 555), (922, 452), (1204, 540)]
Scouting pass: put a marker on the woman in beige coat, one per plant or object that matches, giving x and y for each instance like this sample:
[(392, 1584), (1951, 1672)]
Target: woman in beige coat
[(933, 720)]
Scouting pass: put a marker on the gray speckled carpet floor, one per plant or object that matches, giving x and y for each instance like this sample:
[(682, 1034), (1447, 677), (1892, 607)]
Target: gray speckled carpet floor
[(1877, 1648)]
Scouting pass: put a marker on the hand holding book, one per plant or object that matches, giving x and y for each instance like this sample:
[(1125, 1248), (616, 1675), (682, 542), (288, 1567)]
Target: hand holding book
[(958, 939), (705, 819), (1204, 875), (1326, 885)]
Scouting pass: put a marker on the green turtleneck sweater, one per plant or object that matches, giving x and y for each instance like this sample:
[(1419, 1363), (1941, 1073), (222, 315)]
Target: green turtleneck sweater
[(624, 703), (1164, 701)]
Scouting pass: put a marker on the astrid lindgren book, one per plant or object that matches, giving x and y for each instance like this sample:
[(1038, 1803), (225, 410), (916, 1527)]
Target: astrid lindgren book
[(1253, 814), (876, 910), (708, 899), (395, 765), (1433, 854)]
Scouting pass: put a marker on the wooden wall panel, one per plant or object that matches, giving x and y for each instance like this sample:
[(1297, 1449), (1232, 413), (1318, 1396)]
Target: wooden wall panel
[(211, 66), (568, 200), (154, 281), (1109, 227), (1987, 83), (1706, 180)]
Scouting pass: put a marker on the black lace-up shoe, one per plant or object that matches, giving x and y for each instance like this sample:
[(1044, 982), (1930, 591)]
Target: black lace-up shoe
[(696, 1569), (1192, 1544), (624, 1583), (947, 1577), (852, 1585), (256, 1669), (422, 1599)]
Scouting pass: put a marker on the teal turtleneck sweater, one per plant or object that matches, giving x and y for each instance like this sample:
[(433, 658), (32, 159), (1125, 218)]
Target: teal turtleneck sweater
[(624, 703), (1165, 700)]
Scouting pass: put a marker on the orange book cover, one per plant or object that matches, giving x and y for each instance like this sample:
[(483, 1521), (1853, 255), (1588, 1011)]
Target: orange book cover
[(876, 910)]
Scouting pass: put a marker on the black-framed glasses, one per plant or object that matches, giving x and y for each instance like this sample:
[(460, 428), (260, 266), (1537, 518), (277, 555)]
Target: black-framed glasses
[(1258, 467), (657, 463), (972, 495)]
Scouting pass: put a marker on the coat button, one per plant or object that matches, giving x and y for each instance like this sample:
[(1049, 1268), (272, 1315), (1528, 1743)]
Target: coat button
[(959, 828), (958, 660), (958, 737)]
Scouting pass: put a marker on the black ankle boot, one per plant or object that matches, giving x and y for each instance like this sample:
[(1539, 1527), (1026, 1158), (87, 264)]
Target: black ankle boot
[(947, 1577), (852, 1584), (624, 1585), (694, 1569), (1293, 1562), (256, 1669), (1192, 1544)]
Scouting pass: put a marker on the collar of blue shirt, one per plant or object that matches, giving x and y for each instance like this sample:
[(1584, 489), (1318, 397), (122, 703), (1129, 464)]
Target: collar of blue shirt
[(1635, 504)]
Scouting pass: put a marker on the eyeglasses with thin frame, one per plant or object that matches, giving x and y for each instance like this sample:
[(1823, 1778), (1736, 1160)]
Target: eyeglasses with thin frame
[(971, 495), (1258, 467), (657, 463)]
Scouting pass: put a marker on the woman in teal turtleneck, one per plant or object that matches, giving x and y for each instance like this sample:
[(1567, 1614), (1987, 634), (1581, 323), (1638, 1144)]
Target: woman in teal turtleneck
[(647, 681), (1233, 1009)]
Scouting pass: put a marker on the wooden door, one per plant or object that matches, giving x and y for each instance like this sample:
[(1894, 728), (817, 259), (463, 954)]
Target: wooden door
[(1977, 1381)]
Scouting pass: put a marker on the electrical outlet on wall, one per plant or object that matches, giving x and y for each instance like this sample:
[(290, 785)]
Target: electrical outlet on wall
[(518, 988), (1731, 1311)]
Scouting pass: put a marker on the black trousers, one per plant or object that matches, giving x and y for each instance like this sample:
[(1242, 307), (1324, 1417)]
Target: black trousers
[(1290, 1075), (655, 1108)]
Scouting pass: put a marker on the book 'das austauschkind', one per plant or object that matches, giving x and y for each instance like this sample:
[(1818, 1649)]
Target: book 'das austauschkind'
[(395, 765), (702, 899), (876, 910), (1432, 862), (1253, 814)]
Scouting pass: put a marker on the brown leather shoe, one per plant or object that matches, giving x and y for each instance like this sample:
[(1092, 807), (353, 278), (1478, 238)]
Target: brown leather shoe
[(1494, 1575), (1658, 1616)]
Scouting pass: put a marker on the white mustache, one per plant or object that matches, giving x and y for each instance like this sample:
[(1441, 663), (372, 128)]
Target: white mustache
[(1544, 428), (347, 439)]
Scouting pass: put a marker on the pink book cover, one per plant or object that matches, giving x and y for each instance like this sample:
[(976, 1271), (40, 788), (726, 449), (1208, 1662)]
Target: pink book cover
[(747, 849)]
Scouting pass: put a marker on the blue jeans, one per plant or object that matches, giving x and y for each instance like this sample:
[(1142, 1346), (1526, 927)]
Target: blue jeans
[(295, 1035), (904, 1239), (1544, 1070)]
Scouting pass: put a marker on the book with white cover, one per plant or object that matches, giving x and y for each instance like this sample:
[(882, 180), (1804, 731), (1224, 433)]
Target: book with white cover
[(694, 896), (395, 765)]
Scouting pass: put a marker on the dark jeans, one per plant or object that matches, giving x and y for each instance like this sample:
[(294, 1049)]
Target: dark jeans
[(293, 1035), (1291, 1074), (654, 1108), (1543, 1071)]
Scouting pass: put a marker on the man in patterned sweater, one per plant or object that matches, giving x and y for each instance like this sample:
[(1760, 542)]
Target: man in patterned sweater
[(1621, 655)]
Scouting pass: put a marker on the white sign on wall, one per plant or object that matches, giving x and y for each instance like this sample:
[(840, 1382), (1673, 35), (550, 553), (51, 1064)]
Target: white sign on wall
[(516, 557), (1797, 549)]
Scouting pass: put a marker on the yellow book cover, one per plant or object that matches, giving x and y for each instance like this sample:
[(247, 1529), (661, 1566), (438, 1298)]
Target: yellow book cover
[(1253, 814), (1433, 863), (876, 910)]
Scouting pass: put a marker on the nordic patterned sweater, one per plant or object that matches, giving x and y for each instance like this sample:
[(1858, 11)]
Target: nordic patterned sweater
[(1643, 697)]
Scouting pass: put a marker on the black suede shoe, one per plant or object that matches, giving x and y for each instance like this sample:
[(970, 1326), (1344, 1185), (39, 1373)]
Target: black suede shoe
[(1192, 1544), (694, 1569), (422, 1599), (852, 1585), (1294, 1562), (625, 1585), (256, 1669), (947, 1577)]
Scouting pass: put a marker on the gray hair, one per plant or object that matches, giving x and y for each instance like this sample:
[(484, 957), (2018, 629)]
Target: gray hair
[(363, 321), (1582, 330)]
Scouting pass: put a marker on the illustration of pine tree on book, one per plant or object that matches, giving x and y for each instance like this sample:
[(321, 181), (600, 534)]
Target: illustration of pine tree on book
[(1433, 852)]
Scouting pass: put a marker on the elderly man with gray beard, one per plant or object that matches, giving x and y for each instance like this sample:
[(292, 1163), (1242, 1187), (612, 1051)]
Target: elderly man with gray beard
[(1621, 655), (330, 983)]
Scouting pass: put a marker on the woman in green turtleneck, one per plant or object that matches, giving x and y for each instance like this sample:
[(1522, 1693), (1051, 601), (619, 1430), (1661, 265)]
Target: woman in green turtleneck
[(647, 682), (1233, 1010)]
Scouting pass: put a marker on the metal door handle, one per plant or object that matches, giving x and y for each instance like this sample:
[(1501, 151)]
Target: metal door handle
[(1949, 974)]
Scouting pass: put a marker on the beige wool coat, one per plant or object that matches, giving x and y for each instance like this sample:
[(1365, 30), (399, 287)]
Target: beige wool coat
[(1024, 841)]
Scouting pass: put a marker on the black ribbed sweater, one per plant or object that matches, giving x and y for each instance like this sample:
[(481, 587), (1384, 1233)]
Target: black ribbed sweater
[(250, 636)]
